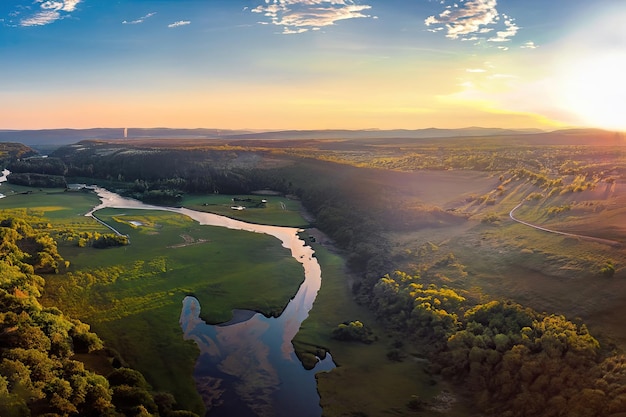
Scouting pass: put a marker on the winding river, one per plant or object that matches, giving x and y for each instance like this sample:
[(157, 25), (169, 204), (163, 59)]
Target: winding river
[(247, 366)]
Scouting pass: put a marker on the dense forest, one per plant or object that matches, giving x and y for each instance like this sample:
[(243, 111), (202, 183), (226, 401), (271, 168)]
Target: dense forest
[(40, 373), (513, 361)]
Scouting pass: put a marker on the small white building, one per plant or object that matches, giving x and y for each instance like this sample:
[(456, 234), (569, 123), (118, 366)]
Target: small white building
[(76, 187)]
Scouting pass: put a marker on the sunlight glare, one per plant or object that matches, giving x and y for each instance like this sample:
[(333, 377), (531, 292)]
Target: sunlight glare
[(591, 71), (595, 89)]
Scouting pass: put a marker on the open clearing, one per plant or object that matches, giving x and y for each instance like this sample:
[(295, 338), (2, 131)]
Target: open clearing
[(276, 210)]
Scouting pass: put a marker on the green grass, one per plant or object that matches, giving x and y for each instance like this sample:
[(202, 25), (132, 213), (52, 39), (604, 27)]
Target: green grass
[(55, 203), (278, 211), (132, 296), (365, 381)]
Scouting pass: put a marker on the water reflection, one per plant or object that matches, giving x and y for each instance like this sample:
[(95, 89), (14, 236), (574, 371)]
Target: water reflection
[(244, 370)]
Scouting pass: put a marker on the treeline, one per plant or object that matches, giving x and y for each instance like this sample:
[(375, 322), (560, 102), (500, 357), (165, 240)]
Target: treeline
[(514, 361), (93, 239), (12, 151), (36, 172), (47, 166), (150, 170), (37, 180), (38, 373)]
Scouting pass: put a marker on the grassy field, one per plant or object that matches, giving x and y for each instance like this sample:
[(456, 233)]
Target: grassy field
[(132, 296), (277, 210)]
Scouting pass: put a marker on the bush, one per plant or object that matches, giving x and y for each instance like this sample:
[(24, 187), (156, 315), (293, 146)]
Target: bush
[(129, 377), (353, 331), (608, 270)]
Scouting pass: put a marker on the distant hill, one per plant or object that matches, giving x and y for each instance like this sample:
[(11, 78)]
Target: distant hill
[(384, 134), (597, 137), (40, 139), (69, 136)]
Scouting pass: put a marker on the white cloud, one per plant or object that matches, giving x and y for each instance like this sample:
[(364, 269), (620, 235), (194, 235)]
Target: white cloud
[(179, 23), (475, 70), (66, 5), (297, 16), (138, 21), (40, 19), (505, 35), (466, 19), (49, 11), (529, 45), (471, 20)]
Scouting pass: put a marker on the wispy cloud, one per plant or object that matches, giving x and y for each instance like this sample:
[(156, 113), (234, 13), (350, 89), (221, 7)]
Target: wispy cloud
[(179, 23), (49, 11), (510, 30), (473, 20), (297, 16), (529, 45), (138, 21)]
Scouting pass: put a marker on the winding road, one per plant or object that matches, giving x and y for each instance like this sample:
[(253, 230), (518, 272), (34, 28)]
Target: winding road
[(534, 226)]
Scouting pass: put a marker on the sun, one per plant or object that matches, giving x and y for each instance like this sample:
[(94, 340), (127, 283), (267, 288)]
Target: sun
[(594, 89), (591, 69)]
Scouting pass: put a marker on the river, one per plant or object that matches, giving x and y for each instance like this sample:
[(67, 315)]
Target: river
[(248, 367), (3, 178)]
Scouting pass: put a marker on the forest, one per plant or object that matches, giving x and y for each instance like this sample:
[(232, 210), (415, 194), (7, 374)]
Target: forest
[(506, 357)]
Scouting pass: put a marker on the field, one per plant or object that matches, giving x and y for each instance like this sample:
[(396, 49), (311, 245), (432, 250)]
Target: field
[(132, 296), (276, 210)]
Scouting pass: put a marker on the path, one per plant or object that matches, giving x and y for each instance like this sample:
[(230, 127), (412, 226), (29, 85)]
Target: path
[(117, 232), (534, 226)]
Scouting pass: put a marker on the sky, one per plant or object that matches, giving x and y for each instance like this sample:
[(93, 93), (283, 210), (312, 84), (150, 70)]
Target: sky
[(312, 64)]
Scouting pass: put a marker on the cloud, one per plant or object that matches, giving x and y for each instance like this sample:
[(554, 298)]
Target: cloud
[(475, 70), (179, 23), (472, 20), (529, 45), (297, 16), (466, 19), (504, 35), (49, 11), (138, 21)]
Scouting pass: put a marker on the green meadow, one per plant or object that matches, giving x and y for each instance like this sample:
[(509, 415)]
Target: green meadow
[(277, 210), (132, 295)]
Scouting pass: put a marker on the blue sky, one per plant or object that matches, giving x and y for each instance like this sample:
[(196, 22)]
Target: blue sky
[(311, 64)]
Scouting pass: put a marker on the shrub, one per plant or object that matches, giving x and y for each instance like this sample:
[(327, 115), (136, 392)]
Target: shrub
[(353, 331)]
